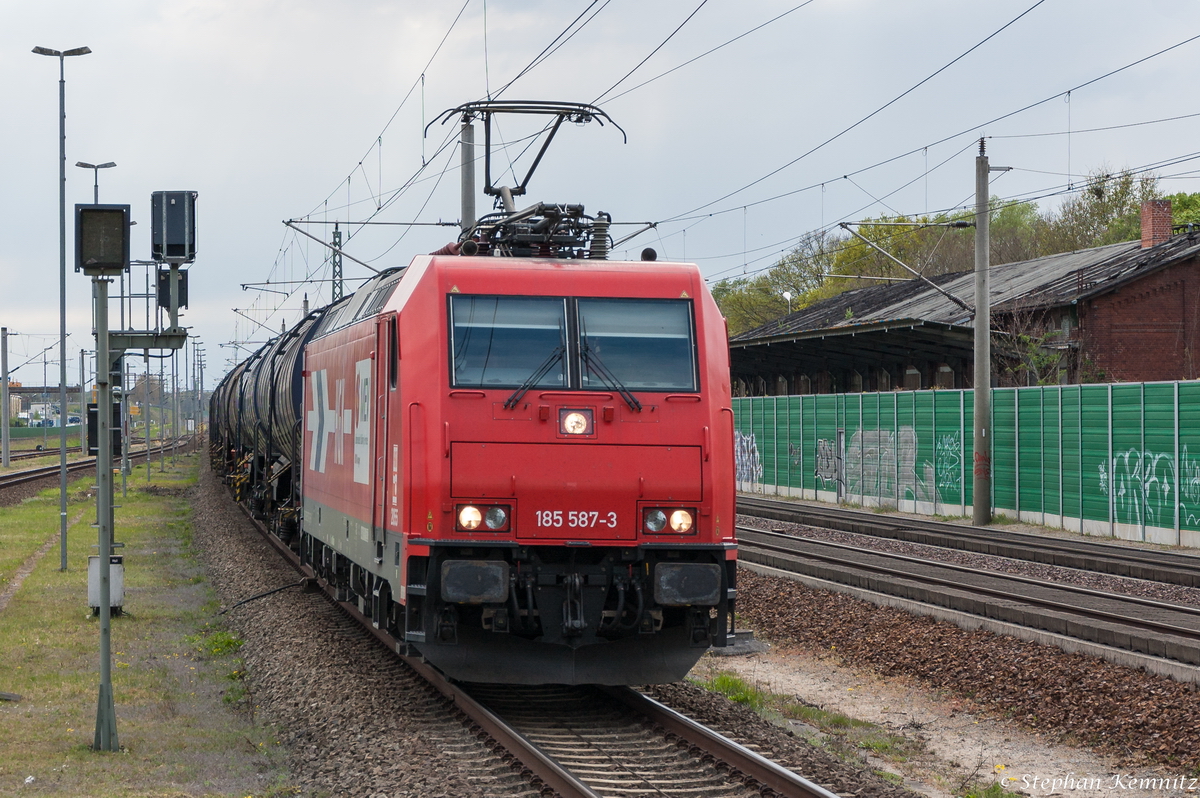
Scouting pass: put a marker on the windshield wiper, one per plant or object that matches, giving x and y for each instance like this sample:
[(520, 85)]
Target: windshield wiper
[(533, 378), (592, 362)]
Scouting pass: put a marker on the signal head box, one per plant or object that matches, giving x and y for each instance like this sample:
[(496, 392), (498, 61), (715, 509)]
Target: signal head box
[(173, 226), (101, 238)]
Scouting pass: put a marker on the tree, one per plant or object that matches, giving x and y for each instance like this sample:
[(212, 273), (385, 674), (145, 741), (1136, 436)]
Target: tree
[(752, 301), (1015, 230), (1185, 208), (1108, 210)]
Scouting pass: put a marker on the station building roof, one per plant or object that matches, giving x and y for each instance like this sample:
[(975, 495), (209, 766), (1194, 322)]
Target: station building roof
[(911, 320)]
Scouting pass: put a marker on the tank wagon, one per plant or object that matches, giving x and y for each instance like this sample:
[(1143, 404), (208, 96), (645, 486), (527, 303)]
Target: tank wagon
[(519, 465)]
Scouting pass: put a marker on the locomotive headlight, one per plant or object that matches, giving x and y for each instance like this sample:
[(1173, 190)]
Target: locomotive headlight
[(469, 517), (575, 422), (495, 518), (656, 521), (681, 521), (668, 520)]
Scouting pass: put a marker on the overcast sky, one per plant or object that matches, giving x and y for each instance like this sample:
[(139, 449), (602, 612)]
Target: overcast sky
[(839, 109)]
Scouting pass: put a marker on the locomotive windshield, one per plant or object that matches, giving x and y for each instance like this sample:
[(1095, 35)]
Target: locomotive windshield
[(499, 341), (523, 342), (645, 343)]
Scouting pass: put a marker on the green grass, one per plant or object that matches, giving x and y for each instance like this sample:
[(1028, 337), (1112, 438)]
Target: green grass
[(175, 667), (841, 734), (993, 790)]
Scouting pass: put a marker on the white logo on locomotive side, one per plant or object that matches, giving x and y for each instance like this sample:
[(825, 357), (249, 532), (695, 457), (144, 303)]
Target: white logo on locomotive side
[(362, 422), (326, 421), (321, 422)]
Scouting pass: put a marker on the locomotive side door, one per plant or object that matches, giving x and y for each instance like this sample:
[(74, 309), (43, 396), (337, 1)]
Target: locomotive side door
[(385, 490)]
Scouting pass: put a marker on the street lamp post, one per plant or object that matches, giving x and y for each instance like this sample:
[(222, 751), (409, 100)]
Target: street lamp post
[(62, 286), (95, 167)]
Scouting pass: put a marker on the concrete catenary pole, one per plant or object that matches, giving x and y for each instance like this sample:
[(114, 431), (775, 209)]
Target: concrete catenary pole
[(467, 139), (982, 481)]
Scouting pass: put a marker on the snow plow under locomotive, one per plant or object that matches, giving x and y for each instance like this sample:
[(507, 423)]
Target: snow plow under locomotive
[(521, 466)]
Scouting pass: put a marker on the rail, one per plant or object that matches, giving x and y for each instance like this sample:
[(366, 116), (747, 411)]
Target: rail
[(1171, 567), (1082, 613), (536, 762)]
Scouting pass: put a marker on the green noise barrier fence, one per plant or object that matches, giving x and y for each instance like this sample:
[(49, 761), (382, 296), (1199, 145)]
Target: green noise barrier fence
[(1119, 460)]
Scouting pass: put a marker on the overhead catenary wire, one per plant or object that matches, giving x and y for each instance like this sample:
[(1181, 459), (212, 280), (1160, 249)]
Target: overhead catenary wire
[(1025, 197), (974, 128), (655, 50), (708, 52), (404, 100), (874, 113), (556, 43)]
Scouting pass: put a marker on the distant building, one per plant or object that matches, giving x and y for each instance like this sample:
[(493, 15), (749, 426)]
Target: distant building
[(43, 410), (1126, 312)]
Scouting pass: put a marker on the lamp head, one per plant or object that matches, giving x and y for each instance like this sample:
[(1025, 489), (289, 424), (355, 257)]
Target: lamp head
[(61, 54)]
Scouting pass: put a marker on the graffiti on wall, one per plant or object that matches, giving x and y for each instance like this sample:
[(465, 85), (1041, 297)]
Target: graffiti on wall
[(948, 462), (883, 464), (828, 459), (747, 466), (1139, 486), (1189, 489)]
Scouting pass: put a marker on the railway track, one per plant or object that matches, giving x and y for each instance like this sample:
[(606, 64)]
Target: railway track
[(594, 742), (1171, 567), (33, 454), (1156, 628), (87, 464)]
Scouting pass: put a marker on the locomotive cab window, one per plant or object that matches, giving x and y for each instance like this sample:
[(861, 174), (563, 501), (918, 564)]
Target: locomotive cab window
[(504, 341), (591, 344), (646, 344)]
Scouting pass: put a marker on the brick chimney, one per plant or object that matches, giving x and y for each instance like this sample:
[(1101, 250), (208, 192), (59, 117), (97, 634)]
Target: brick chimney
[(1156, 222)]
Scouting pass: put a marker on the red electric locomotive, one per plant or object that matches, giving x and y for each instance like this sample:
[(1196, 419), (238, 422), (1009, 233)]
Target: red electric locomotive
[(522, 466)]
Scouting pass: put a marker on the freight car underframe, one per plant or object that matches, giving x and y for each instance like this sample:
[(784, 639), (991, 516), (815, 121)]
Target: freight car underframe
[(511, 613)]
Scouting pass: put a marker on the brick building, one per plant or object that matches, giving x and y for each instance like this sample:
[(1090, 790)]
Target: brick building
[(1127, 312)]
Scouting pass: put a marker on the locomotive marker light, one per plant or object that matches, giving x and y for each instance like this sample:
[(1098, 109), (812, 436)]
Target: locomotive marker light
[(680, 521), (492, 518), (469, 517)]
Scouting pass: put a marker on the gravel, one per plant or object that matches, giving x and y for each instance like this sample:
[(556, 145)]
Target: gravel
[(1077, 698), (356, 720), (13, 495), (774, 742)]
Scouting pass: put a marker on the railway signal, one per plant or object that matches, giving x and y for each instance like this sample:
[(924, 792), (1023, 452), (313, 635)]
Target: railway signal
[(102, 252)]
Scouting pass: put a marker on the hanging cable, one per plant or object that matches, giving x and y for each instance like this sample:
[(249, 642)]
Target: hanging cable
[(877, 111), (655, 50)]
